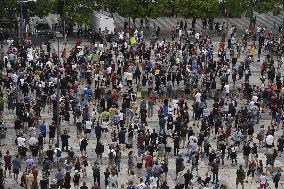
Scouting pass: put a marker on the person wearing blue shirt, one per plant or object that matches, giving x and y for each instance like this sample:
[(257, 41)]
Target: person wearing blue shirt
[(278, 119), (216, 186), (42, 129), (130, 185), (88, 92)]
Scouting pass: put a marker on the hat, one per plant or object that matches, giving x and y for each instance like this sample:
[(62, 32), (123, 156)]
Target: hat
[(76, 171)]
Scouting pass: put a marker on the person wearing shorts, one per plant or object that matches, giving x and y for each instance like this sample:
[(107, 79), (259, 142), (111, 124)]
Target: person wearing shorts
[(240, 177), (16, 167), (8, 163)]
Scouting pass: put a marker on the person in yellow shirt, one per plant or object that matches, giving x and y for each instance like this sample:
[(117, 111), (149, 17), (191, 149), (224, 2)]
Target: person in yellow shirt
[(129, 79), (252, 52), (157, 71), (112, 111)]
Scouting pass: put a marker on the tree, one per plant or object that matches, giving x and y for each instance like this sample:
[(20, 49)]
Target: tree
[(110, 6), (131, 8), (265, 6), (198, 8), (231, 8), (41, 8), (8, 9), (79, 11), (156, 8)]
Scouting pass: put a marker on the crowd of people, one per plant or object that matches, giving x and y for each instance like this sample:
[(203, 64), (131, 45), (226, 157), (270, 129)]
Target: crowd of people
[(143, 103)]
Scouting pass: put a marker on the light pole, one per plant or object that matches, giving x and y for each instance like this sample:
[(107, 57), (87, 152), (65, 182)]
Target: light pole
[(58, 36)]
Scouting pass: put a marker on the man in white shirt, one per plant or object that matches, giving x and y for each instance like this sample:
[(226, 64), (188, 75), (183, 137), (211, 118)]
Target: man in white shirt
[(121, 119), (227, 88), (109, 69), (88, 127), (197, 97), (175, 104), (33, 141), (21, 141), (192, 138), (197, 35), (269, 140), (254, 98), (15, 79), (251, 105)]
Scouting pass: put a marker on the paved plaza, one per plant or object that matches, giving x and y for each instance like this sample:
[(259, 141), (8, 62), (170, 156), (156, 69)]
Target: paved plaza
[(227, 172)]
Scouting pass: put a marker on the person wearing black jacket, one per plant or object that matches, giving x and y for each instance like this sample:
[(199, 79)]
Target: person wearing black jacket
[(246, 153), (164, 185), (176, 144), (215, 171), (64, 139), (212, 156), (96, 173), (99, 150), (98, 131), (187, 178), (83, 145), (179, 164), (276, 178), (154, 137)]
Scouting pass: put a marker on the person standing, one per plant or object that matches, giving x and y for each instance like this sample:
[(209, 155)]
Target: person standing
[(59, 178), (234, 154), (180, 180), (83, 145), (246, 153), (96, 173), (98, 131), (99, 151), (84, 186), (215, 171), (8, 163), (280, 145), (3, 131), (179, 165), (252, 169), (16, 167), (64, 139), (76, 179), (263, 181), (276, 178), (42, 130), (241, 175), (51, 135), (176, 144), (67, 180)]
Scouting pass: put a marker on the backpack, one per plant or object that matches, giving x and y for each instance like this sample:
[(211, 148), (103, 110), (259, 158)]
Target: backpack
[(58, 152)]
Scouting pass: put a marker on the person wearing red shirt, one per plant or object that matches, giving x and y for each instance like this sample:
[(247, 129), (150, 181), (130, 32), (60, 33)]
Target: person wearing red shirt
[(8, 163), (140, 139), (148, 161)]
